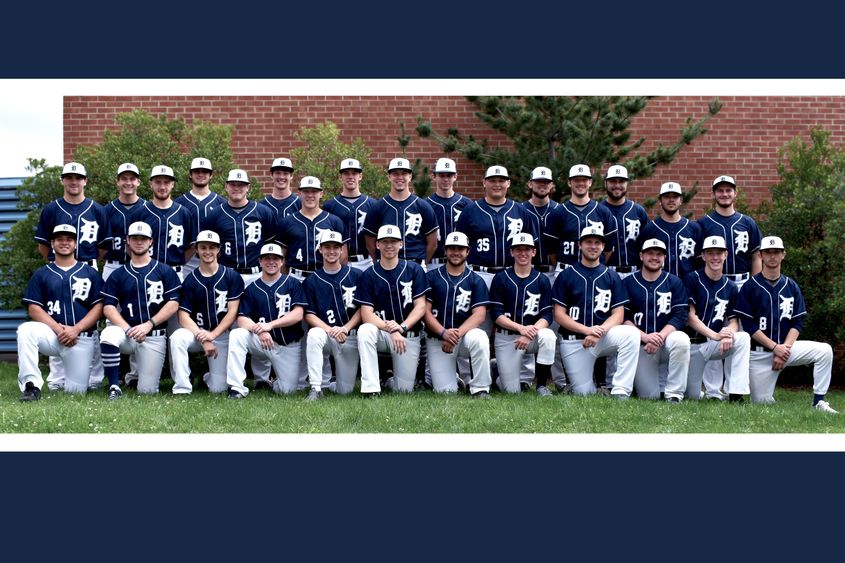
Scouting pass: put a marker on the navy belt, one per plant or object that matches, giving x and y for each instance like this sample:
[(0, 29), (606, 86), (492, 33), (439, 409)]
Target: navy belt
[(760, 349), (298, 272), (488, 269), (252, 270), (624, 269), (357, 258), (544, 268), (698, 339)]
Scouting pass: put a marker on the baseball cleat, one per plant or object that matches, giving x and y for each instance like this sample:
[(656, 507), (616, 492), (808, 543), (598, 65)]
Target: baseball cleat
[(673, 400), (314, 395), (115, 393), (234, 395), (523, 386), (824, 406), (481, 395), (30, 392), (543, 391), (261, 384)]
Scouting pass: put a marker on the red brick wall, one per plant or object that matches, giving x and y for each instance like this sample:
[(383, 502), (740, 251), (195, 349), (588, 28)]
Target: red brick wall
[(743, 139)]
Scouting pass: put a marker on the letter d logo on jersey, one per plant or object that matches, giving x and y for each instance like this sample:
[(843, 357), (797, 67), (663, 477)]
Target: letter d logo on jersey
[(532, 304), (81, 287), (155, 292), (88, 231)]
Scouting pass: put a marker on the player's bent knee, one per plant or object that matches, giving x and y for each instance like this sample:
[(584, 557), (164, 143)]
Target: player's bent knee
[(112, 335)]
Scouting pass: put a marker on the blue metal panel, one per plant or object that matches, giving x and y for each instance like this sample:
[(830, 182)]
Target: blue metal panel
[(9, 215)]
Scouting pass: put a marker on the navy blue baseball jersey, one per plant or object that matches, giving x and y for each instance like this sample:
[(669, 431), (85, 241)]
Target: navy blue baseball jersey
[(589, 294), (301, 235), (200, 208), (173, 229), (772, 309), (453, 298), (565, 223), (391, 293), (353, 212), (491, 231), (140, 293), (414, 217), (87, 217), (541, 214), (523, 300), (714, 301), (654, 304), (119, 217), (282, 207), (742, 235), (447, 211), (243, 232), (630, 218), (206, 298), (264, 303), (331, 296), (682, 240), (66, 295)]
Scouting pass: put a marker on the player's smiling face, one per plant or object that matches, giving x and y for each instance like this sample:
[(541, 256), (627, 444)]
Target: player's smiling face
[(580, 186), (617, 188), (161, 186), (456, 255), (523, 255), (444, 181), (281, 180), (200, 177), (138, 246), (715, 258), (331, 253), (310, 198), (271, 264), (128, 183), (64, 245), (652, 259), (670, 203), (591, 248), (725, 195), (389, 247), (351, 180), (400, 180), (496, 188), (237, 192), (207, 252), (74, 184)]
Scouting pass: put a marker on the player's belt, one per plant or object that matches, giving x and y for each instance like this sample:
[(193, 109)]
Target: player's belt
[(738, 277), (545, 268), (91, 262), (357, 258), (574, 337), (253, 270), (760, 349), (488, 269), (176, 268), (412, 334), (560, 266), (506, 331), (698, 339), (158, 332), (624, 269), (417, 260), (88, 333), (438, 261), (303, 273), (114, 263)]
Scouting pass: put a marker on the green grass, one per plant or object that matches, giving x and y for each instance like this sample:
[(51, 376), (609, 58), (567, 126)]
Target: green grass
[(422, 412)]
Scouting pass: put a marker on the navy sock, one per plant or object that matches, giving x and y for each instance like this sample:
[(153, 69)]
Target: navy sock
[(817, 398), (542, 373), (111, 363)]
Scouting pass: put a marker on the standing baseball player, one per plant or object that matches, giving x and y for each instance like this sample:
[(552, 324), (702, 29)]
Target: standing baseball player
[(772, 311), (713, 324), (333, 317), (352, 207), (63, 300), (299, 232), (208, 308), (681, 236), (269, 326), (520, 299), (199, 200), (566, 222), (139, 298), (589, 305), (630, 218), (447, 205), (92, 240), (172, 225), (456, 306), (402, 208), (658, 307), (391, 295), (743, 258), (282, 200), (118, 214)]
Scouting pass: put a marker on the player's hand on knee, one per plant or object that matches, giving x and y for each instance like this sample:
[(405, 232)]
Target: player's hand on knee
[(597, 331), (529, 331), (522, 343), (398, 341), (447, 347), (590, 341), (650, 348), (204, 336), (725, 344), (452, 336), (266, 341), (392, 327), (209, 348)]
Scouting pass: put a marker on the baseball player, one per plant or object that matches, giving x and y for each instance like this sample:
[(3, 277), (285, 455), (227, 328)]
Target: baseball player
[(282, 200), (589, 305), (402, 208), (139, 298), (446, 203), (456, 305), (208, 308), (299, 232), (391, 295), (681, 236), (743, 258), (630, 219), (713, 325), (92, 239), (520, 300), (565, 223), (63, 300), (352, 207), (269, 326), (333, 317), (118, 214), (172, 225), (199, 200), (772, 311), (658, 307)]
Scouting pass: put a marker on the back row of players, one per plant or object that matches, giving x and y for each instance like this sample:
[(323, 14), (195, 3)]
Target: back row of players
[(511, 245)]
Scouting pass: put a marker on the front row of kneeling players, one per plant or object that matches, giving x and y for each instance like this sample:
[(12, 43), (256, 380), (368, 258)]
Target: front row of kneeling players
[(644, 321)]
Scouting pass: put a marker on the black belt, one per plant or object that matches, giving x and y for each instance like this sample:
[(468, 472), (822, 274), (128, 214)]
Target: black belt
[(625, 269), (357, 258), (176, 268), (417, 260), (253, 270), (438, 261), (698, 339), (114, 263), (298, 272), (760, 349), (158, 332), (488, 269), (506, 331), (88, 333), (573, 336), (545, 268)]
